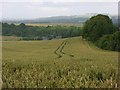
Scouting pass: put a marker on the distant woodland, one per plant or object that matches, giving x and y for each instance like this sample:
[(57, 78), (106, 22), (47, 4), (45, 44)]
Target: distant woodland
[(39, 32)]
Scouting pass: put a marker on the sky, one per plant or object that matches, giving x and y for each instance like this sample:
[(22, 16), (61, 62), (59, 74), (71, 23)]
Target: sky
[(30, 9)]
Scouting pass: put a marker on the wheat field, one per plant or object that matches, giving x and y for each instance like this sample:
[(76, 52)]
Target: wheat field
[(61, 63)]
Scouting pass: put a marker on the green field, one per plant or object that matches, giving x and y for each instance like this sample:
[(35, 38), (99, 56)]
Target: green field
[(53, 24), (62, 63)]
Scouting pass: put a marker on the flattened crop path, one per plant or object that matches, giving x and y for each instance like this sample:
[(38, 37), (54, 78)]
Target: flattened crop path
[(59, 51)]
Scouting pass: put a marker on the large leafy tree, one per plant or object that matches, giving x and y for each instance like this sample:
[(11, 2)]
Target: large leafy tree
[(97, 26)]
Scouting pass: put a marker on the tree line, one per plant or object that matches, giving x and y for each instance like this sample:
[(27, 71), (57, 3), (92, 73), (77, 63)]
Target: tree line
[(38, 32)]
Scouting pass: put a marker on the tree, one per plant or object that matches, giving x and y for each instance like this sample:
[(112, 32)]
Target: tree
[(97, 26), (110, 42), (22, 26)]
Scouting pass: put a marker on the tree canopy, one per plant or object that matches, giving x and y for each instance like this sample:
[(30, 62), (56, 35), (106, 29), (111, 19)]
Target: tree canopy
[(110, 42), (97, 26), (38, 32), (100, 30)]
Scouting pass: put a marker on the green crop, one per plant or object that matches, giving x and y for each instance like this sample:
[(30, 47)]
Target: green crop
[(62, 63)]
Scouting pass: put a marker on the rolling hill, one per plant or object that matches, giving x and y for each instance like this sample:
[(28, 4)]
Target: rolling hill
[(79, 19)]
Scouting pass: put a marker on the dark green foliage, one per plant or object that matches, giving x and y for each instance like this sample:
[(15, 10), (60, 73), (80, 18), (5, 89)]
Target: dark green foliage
[(22, 26), (101, 31), (37, 33), (97, 26), (110, 42)]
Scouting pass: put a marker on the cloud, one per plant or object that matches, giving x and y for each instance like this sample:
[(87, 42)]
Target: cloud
[(28, 10), (56, 1)]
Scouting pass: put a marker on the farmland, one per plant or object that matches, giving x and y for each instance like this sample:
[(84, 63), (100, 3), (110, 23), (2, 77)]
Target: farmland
[(55, 24), (61, 63)]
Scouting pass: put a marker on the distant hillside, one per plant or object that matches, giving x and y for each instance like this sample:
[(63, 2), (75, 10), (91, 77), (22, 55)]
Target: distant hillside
[(62, 19), (56, 19), (59, 19)]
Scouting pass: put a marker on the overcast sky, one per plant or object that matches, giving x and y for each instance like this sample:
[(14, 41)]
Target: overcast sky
[(24, 9)]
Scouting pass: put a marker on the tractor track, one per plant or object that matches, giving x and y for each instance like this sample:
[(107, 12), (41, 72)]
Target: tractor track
[(56, 51), (59, 51)]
